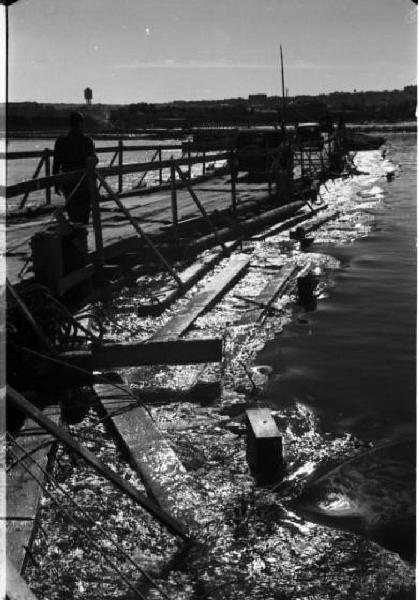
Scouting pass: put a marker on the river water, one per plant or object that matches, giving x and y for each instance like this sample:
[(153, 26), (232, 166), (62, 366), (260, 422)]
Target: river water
[(353, 359)]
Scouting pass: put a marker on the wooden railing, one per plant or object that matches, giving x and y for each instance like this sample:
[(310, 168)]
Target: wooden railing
[(119, 151), (97, 179), (42, 183)]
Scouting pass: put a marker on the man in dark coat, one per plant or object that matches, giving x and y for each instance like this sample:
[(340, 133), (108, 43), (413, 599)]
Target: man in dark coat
[(71, 152)]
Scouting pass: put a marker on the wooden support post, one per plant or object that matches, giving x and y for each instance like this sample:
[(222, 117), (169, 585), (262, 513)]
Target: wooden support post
[(160, 169), (203, 163), (174, 198), (201, 208), (139, 230), (20, 403), (189, 167), (120, 165), (47, 174), (97, 225), (233, 182), (306, 285), (264, 446)]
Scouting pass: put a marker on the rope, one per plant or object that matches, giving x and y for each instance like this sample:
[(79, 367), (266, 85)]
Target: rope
[(86, 514)]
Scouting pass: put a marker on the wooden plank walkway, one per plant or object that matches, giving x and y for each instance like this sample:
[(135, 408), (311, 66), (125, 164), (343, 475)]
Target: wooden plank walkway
[(23, 492), (269, 293), (189, 277), (152, 212), (152, 456), (217, 287)]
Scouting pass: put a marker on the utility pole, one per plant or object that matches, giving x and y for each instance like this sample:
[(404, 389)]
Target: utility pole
[(283, 91)]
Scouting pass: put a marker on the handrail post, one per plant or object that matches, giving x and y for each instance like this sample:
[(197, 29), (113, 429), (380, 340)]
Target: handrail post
[(203, 163), (160, 169), (47, 174), (189, 167), (120, 164), (174, 198), (233, 181), (97, 225)]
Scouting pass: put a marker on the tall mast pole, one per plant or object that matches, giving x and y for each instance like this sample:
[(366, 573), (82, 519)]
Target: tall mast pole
[(283, 90)]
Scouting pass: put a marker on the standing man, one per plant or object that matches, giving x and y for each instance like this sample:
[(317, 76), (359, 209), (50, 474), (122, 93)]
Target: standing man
[(71, 152)]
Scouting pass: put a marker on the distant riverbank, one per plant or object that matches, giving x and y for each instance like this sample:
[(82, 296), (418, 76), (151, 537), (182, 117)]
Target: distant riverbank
[(402, 127)]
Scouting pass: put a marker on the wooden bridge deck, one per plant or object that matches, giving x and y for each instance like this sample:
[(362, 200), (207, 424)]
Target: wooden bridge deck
[(152, 211)]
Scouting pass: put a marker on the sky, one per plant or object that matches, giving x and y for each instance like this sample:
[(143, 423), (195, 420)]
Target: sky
[(162, 50)]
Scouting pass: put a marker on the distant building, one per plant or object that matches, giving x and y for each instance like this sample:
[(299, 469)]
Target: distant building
[(258, 99), (88, 95)]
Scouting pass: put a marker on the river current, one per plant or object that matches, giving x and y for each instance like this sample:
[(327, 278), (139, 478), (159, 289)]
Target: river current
[(352, 360)]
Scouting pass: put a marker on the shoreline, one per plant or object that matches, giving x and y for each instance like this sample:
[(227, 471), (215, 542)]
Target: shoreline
[(404, 127)]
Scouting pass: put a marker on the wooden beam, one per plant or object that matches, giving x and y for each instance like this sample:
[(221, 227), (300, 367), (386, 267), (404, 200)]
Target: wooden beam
[(99, 150), (189, 277), (153, 352), (269, 293), (23, 492), (201, 208), (247, 226), (141, 232), (43, 182), (200, 303), (156, 165), (16, 586), (288, 224), (153, 457), (74, 278), (319, 222), (20, 403), (39, 184)]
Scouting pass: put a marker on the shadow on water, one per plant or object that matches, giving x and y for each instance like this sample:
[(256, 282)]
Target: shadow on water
[(372, 494)]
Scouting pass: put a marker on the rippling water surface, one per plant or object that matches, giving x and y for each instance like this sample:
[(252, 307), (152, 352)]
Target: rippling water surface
[(353, 360)]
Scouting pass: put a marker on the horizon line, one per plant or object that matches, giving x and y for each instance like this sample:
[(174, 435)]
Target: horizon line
[(312, 94)]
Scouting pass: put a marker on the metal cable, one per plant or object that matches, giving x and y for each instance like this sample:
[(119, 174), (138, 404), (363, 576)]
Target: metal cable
[(86, 514), (80, 529), (33, 451)]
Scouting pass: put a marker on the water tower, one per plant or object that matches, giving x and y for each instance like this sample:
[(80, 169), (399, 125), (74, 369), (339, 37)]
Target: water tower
[(88, 95)]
